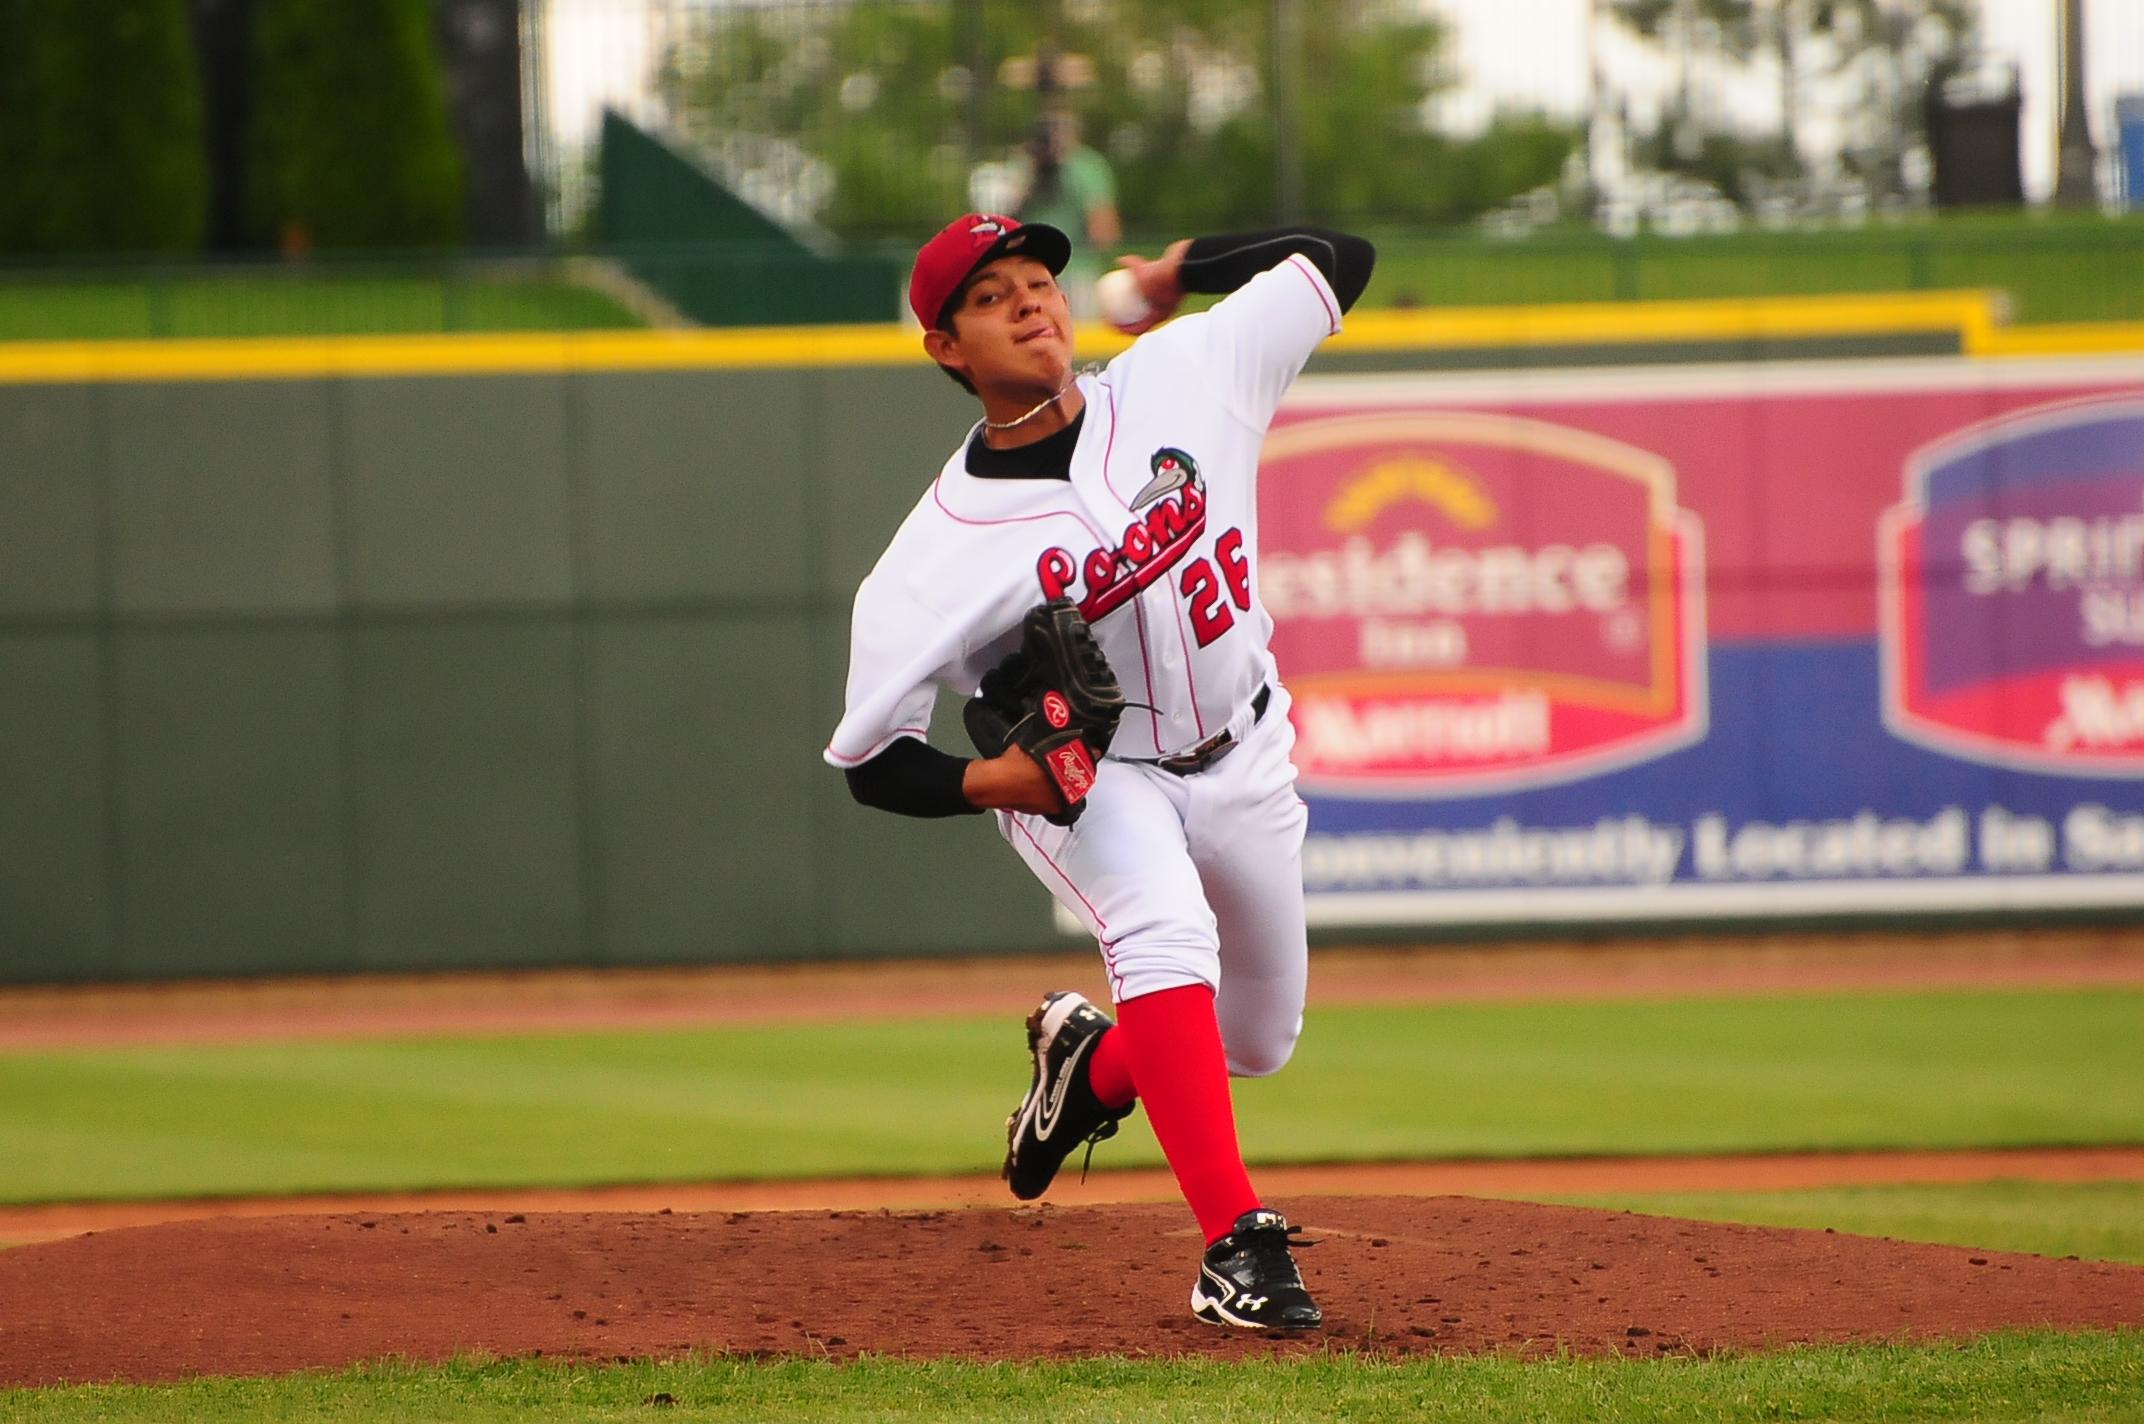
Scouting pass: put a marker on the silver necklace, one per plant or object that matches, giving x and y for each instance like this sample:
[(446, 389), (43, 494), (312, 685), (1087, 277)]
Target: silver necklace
[(1055, 397)]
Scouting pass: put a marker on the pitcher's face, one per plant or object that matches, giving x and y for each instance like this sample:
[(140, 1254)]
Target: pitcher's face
[(1012, 327)]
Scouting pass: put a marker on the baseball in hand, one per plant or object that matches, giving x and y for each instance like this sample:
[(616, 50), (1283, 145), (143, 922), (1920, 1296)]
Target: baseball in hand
[(1118, 297)]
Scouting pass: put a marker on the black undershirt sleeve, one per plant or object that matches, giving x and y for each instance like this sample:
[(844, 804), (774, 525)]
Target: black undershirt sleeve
[(912, 778), (1224, 263)]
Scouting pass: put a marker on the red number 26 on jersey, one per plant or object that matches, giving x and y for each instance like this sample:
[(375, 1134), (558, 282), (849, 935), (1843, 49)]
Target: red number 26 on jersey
[(1210, 615)]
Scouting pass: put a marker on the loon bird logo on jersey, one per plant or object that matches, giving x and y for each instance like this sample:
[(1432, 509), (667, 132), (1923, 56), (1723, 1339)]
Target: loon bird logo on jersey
[(1173, 469), (1152, 544)]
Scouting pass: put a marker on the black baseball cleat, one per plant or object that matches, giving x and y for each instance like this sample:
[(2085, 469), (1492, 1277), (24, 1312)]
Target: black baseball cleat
[(1060, 1110), (1249, 1279)]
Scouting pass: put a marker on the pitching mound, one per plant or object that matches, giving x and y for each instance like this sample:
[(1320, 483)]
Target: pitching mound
[(1396, 1275)]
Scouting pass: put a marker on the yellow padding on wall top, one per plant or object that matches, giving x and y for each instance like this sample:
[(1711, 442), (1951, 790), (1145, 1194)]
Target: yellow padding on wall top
[(1973, 315)]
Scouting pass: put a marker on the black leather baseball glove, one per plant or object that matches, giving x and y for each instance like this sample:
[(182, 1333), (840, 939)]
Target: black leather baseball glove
[(1056, 698)]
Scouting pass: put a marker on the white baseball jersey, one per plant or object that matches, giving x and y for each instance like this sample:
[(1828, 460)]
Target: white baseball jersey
[(1154, 536), (1182, 879)]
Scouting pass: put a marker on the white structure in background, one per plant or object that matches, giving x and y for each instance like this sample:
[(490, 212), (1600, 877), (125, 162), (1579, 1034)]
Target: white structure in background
[(583, 57), (592, 55), (2113, 65)]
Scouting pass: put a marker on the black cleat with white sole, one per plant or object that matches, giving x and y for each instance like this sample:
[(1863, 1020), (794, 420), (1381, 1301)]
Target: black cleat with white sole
[(1249, 1279), (1060, 1111)]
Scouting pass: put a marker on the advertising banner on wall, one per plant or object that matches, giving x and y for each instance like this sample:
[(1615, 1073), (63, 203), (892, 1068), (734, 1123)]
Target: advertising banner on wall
[(1849, 637)]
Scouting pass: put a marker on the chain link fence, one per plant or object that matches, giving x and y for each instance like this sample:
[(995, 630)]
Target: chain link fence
[(875, 118)]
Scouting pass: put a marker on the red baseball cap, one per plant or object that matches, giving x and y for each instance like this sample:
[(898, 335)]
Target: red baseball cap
[(965, 244)]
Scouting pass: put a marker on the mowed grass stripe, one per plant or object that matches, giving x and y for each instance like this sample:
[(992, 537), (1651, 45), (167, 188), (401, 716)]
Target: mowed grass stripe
[(1955, 1069), (2101, 1221), (1876, 1070), (2039, 1376), (63, 307)]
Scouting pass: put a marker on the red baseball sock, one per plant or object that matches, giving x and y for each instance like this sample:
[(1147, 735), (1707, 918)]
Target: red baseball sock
[(1109, 1070), (1171, 1042)]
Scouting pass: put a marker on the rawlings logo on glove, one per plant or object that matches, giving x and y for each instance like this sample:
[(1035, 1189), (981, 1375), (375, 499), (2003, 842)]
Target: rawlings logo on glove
[(1056, 698)]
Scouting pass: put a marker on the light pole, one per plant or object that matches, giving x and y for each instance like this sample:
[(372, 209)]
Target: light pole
[(2075, 183), (1287, 127)]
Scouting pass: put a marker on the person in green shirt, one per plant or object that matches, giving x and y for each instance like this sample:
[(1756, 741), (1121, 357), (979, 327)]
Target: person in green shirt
[(1070, 187)]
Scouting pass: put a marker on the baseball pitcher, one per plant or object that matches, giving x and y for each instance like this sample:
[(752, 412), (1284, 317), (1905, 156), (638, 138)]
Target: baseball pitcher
[(1084, 570)]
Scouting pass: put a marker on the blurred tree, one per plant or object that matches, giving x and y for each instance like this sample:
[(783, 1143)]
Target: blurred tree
[(1699, 32), (349, 143), (1886, 52), (871, 111), (100, 126), (1872, 58)]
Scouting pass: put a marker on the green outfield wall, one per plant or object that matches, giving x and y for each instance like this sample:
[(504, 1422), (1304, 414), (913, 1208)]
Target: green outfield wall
[(405, 673), (393, 654)]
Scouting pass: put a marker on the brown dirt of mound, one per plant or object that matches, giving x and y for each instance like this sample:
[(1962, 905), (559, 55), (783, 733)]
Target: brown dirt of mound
[(1396, 1275)]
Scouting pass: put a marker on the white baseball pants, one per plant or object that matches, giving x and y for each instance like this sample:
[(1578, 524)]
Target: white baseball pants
[(1194, 880)]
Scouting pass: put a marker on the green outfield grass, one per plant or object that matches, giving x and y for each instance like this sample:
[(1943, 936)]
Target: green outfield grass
[(2045, 283), (1957, 1069), (115, 305), (2054, 267), (2040, 1376), (2097, 1220)]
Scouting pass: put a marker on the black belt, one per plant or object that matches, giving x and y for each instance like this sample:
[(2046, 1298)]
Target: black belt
[(1211, 750)]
